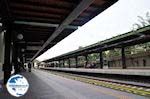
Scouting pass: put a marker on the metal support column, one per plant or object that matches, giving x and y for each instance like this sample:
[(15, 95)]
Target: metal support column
[(86, 60), (63, 63), (7, 67), (101, 59), (69, 63), (59, 63), (32, 64), (123, 57), (15, 61), (76, 61)]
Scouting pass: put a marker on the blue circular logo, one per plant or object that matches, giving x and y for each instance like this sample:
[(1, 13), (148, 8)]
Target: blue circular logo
[(17, 85)]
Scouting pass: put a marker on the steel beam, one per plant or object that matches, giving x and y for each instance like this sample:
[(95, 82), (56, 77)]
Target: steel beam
[(33, 47), (43, 24), (72, 16)]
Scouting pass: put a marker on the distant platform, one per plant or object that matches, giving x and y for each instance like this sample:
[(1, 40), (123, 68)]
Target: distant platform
[(139, 72)]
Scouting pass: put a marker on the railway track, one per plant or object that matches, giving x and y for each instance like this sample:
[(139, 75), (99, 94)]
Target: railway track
[(130, 87)]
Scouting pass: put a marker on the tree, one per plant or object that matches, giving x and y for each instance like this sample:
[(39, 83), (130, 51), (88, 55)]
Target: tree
[(113, 52), (93, 57), (142, 22), (148, 17)]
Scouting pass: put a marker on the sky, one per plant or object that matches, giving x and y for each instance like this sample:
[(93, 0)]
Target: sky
[(117, 19)]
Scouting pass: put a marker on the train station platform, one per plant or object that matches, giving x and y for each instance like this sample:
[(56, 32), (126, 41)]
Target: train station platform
[(138, 72), (44, 85)]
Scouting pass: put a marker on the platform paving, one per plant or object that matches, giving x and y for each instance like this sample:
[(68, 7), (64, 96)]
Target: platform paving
[(44, 85)]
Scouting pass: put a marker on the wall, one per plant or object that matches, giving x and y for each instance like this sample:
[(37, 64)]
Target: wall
[(140, 60)]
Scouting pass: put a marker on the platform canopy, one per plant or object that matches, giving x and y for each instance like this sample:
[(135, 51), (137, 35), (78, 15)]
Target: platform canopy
[(139, 36), (43, 23)]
